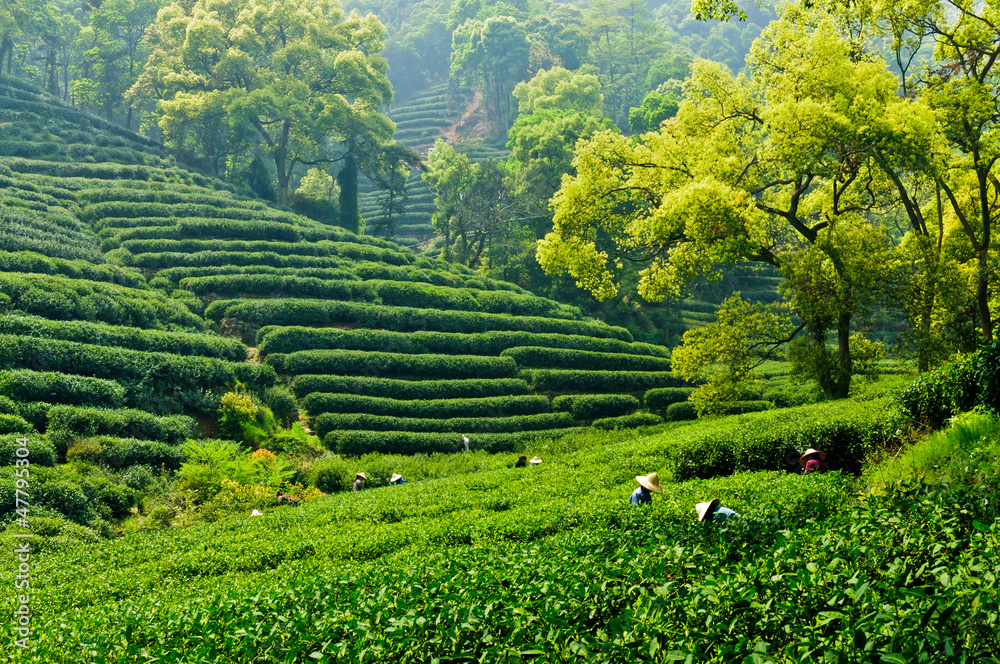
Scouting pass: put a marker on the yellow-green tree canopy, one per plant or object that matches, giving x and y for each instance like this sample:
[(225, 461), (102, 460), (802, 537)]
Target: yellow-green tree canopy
[(296, 72)]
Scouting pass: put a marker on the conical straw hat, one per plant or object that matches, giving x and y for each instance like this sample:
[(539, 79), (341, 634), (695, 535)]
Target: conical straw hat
[(395, 476), (651, 482), (811, 451), (535, 461), (704, 510), (362, 476)]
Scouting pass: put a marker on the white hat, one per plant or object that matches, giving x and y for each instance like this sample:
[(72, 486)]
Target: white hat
[(534, 461), (705, 510), (362, 476), (395, 476), (809, 452), (256, 513), (651, 482)]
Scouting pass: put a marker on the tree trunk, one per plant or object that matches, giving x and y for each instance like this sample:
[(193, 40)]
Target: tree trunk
[(845, 364), (279, 166), (347, 178), (983, 296)]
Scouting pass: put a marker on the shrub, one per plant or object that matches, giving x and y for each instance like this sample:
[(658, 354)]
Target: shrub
[(282, 404), (331, 474), (987, 375), (306, 384), (661, 397), (258, 313), (274, 339), (362, 421), (350, 250), (846, 431), (30, 261), (124, 423), (242, 417), (680, 411), (15, 424), (936, 395), (318, 403), (27, 385), (356, 443), (628, 421), (40, 450), (350, 362), (124, 452), (591, 406), (527, 357), (741, 407), (568, 380)]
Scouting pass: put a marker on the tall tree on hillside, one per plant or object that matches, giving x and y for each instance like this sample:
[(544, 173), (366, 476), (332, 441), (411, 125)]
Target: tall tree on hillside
[(302, 76), (769, 168)]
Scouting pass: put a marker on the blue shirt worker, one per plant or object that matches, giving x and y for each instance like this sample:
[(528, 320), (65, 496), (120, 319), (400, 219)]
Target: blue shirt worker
[(647, 483), (396, 479), (713, 511)]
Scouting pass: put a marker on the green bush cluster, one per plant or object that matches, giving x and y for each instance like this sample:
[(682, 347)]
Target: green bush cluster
[(357, 362), (259, 313), (28, 385), (628, 421), (40, 231), (64, 298), (565, 358), (212, 258), (116, 452), (334, 422), (41, 452), (936, 395), (275, 339), (133, 338), (14, 424), (356, 443), (30, 261), (591, 406), (846, 431), (284, 285), (477, 388), (318, 403), (350, 250), (661, 398), (174, 275), (83, 422), (680, 411), (571, 380), (148, 377)]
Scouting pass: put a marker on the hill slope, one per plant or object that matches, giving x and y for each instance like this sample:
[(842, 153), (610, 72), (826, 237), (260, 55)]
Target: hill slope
[(125, 261)]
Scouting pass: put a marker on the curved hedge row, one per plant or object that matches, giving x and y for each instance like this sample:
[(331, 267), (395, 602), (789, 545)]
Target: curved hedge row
[(40, 451), (478, 388), (568, 380), (661, 397), (146, 375), (330, 422), (628, 421), (846, 431), (174, 275), (133, 338), (323, 248), (356, 362), (285, 285), (544, 358), (30, 261), (14, 424), (591, 406), (276, 339), (317, 403), (356, 443), (64, 298), (125, 452), (322, 312), (27, 385), (121, 423), (169, 259)]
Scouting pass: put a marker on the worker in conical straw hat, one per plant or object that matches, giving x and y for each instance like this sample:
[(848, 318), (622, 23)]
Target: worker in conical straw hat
[(359, 481), (713, 511), (647, 483), (396, 479), (813, 461), (535, 461)]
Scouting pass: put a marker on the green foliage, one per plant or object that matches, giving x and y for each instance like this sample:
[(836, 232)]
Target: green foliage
[(40, 450), (662, 397), (28, 385), (568, 380), (242, 417), (14, 424), (305, 384), (335, 422), (32, 262), (628, 421), (680, 411), (116, 452), (81, 422), (591, 406), (350, 362), (282, 403), (936, 395), (356, 443), (987, 375), (318, 403), (290, 339), (656, 107), (332, 474), (530, 356)]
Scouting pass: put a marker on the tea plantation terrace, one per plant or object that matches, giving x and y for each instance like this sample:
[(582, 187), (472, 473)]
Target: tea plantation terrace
[(132, 288)]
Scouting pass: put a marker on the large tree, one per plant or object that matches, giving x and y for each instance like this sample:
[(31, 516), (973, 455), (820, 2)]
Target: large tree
[(303, 77), (767, 167)]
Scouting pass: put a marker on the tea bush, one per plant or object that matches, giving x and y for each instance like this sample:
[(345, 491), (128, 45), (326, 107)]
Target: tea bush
[(27, 385), (365, 422), (353, 362), (318, 403), (83, 422), (473, 388), (40, 450), (936, 395), (680, 411), (569, 380), (661, 397), (628, 421), (590, 406), (528, 357), (356, 443)]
